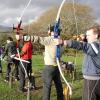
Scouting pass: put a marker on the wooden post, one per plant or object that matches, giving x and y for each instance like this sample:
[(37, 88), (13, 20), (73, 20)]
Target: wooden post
[(11, 77), (28, 92), (74, 74)]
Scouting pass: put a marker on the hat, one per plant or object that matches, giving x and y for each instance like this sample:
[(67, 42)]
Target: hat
[(26, 38), (51, 28)]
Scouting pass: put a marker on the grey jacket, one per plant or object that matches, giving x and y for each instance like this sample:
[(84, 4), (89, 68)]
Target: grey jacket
[(10, 49), (91, 63)]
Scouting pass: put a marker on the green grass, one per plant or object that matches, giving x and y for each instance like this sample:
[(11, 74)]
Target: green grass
[(7, 93)]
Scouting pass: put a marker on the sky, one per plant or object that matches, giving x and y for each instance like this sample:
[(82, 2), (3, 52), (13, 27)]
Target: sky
[(11, 10)]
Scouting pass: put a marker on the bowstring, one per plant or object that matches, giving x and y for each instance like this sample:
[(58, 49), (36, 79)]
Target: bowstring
[(22, 14), (19, 19), (76, 25)]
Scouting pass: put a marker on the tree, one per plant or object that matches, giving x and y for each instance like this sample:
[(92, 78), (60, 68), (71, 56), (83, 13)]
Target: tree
[(3, 38), (68, 23)]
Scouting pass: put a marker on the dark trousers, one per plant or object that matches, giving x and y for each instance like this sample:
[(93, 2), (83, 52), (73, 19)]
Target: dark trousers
[(51, 73), (91, 90), (9, 66), (28, 68), (0, 65)]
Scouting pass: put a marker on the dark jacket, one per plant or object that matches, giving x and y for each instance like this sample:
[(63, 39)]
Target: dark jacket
[(10, 49), (91, 64)]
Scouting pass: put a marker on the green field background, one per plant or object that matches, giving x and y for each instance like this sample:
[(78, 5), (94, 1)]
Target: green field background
[(7, 93)]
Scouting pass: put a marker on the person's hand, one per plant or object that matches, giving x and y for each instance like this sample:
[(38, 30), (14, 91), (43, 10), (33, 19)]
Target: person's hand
[(65, 42), (18, 37), (58, 41), (83, 37), (1, 58), (12, 56), (61, 41)]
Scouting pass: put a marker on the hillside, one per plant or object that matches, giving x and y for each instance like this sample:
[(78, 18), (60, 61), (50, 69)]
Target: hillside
[(4, 29)]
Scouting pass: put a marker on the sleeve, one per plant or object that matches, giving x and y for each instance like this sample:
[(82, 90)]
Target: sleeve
[(93, 49), (24, 50), (5, 51), (45, 40), (90, 49), (48, 41)]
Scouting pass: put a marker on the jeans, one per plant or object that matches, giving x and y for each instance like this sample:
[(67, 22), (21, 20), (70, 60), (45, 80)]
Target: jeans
[(51, 73)]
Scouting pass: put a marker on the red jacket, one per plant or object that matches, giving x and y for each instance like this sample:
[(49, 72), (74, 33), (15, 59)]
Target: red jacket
[(27, 51)]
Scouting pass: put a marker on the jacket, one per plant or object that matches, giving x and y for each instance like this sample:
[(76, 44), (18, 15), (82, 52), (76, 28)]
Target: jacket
[(91, 63), (10, 49), (27, 51), (50, 49)]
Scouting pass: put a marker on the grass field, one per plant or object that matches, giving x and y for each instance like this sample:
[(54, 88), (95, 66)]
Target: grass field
[(7, 93)]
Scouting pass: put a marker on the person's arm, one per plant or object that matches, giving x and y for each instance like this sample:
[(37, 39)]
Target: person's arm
[(5, 51), (41, 40), (73, 44), (23, 51), (45, 40), (90, 49)]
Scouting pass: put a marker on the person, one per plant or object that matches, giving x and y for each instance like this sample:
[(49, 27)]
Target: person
[(50, 71), (10, 49), (1, 52), (26, 54), (91, 63)]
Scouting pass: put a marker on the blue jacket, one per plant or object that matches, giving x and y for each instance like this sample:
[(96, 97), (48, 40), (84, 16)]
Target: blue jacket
[(91, 63)]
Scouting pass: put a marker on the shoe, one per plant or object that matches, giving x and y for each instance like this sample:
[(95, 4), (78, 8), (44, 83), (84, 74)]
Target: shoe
[(6, 79), (0, 71)]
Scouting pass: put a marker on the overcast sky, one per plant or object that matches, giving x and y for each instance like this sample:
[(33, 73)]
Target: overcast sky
[(10, 10)]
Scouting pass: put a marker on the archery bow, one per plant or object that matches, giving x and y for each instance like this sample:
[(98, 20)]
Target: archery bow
[(76, 25), (18, 28), (57, 35), (18, 32)]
